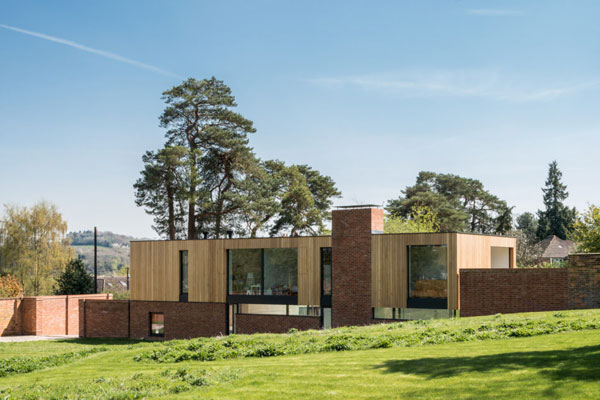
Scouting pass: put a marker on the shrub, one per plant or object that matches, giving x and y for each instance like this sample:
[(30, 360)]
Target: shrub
[(10, 287)]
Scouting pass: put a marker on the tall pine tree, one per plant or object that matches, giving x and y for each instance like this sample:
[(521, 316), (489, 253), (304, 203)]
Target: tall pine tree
[(557, 219)]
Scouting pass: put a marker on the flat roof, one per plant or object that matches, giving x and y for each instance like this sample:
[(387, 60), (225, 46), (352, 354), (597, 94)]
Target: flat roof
[(300, 237)]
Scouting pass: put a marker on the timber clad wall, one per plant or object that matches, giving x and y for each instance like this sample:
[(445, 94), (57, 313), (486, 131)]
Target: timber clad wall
[(247, 323), (155, 267)]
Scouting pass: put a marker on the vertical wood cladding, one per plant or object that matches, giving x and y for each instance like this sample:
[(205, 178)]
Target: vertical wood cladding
[(155, 267), (389, 261)]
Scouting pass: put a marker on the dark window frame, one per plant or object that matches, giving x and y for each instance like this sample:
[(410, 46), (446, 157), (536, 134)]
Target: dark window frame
[(151, 333), (326, 298), (425, 302), (262, 298), (183, 297)]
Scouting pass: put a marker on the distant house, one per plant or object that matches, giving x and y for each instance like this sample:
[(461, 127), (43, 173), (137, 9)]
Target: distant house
[(113, 284), (555, 249)]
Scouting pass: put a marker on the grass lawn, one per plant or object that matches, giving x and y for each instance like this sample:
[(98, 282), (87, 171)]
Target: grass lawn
[(556, 365)]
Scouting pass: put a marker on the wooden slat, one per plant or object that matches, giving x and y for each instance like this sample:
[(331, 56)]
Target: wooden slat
[(155, 267)]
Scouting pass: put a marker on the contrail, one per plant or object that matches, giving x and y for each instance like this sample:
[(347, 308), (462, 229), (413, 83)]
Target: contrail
[(102, 53)]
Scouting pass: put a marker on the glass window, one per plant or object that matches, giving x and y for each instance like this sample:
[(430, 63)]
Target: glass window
[(263, 309), (307, 311), (428, 271), (183, 268), (157, 324), (281, 272), (412, 313), (326, 261), (245, 272), (327, 318)]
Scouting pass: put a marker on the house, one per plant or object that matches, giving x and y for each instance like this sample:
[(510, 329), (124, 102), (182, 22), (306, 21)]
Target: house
[(356, 276), (555, 249)]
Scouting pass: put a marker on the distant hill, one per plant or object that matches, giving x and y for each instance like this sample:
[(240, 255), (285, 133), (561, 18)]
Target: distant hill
[(113, 251)]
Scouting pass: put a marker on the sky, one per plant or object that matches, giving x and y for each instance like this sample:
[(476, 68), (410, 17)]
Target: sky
[(369, 93)]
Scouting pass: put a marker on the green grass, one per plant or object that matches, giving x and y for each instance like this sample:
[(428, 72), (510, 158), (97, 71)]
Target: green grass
[(536, 364)]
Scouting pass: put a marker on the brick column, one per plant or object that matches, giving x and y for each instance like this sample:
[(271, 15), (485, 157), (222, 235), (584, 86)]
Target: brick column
[(351, 269)]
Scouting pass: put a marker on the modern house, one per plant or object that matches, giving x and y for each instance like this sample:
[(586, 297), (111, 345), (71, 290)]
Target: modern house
[(356, 276)]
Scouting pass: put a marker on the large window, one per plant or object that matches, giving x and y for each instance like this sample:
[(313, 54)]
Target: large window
[(279, 309), (405, 314), (157, 324), (183, 273), (428, 275), (267, 272), (326, 262), (281, 272), (245, 272)]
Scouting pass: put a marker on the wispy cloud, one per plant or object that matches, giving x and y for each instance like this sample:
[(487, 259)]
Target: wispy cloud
[(495, 12), (82, 47), (461, 83)]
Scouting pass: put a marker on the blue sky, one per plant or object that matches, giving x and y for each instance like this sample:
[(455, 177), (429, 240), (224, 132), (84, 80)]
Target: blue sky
[(369, 93)]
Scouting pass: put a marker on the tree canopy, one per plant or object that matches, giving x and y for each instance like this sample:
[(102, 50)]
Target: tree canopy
[(34, 246), (586, 230), (208, 179), (461, 204), (556, 219), (421, 219)]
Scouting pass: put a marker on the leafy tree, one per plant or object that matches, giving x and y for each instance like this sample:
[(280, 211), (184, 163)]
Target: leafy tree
[(10, 287), (199, 116), (586, 230), (461, 204), (528, 249), (74, 279), (422, 219), (161, 189), (34, 246), (557, 219), (528, 224)]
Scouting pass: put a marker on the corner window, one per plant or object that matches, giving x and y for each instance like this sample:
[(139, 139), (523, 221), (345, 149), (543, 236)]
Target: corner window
[(183, 273), (157, 324)]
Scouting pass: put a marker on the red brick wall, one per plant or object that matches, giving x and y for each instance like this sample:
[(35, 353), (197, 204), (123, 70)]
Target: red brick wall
[(351, 269), (103, 318), (10, 317), (251, 323), (492, 291), (584, 281), (182, 320), (42, 315)]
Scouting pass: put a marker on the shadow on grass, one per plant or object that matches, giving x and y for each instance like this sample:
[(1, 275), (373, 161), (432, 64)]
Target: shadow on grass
[(582, 363)]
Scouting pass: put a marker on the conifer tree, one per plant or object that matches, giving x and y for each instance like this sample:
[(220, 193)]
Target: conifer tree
[(557, 219)]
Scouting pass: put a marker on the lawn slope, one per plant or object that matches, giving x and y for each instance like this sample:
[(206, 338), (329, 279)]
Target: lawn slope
[(534, 364)]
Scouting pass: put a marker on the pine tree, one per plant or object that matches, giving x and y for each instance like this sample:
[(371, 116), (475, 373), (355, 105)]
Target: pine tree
[(557, 219)]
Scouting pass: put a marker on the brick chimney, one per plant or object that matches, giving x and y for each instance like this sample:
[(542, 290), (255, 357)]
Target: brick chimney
[(351, 269)]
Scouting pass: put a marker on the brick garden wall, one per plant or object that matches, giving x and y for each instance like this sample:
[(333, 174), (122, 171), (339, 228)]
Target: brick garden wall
[(485, 291), (10, 317), (584, 281), (42, 315), (492, 291), (351, 269), (103, 318), (126, 318), (250, 323)]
